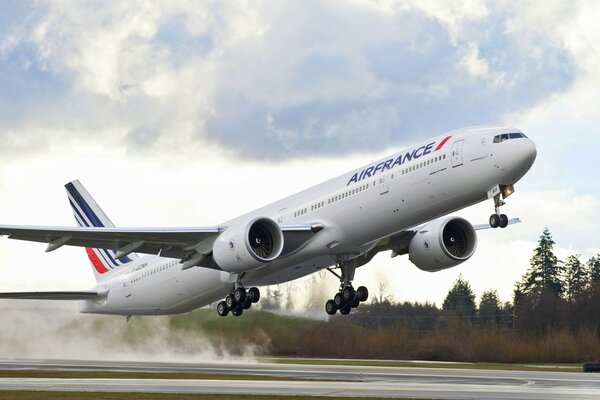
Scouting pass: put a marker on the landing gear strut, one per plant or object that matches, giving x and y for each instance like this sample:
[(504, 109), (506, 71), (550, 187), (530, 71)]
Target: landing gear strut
[(497, 219), (238, 300), (347, 298)]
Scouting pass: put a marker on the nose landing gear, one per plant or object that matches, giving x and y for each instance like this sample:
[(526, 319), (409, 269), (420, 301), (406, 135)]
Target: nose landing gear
[(498, 220), (238, 300)]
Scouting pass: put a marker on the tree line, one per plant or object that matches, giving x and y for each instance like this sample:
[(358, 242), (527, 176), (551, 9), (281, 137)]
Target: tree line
[(552, 294)]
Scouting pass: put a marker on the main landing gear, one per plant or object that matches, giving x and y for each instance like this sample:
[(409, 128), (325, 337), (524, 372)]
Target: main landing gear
[(498, 220), (238, 300), (347, 298)]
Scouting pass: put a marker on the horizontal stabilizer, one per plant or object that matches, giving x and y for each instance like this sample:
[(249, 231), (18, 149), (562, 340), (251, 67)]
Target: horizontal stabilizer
[(83, 295)]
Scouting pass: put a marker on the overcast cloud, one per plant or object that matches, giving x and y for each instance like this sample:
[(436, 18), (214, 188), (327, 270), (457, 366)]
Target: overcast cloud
[(273, 79), (196, 102)]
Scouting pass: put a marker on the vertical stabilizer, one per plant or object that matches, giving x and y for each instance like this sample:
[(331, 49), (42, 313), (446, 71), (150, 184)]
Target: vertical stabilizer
[(89, 214)]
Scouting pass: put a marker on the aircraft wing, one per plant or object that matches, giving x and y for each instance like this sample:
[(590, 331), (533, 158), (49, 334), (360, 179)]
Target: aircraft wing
[(83, 295), (168, 242), (399, 242)]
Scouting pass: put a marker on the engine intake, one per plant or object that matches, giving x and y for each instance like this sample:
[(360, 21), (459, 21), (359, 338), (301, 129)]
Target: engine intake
[(443, 244), (248, 246)]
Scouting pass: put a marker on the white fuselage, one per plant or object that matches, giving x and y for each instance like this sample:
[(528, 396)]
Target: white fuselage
[(357, 209)]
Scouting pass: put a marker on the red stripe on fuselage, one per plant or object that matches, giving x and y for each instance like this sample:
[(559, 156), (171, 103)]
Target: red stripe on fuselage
[(96, 262), (442, 143)]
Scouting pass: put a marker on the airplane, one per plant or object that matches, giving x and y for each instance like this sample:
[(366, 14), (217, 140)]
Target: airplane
[(400, 203)]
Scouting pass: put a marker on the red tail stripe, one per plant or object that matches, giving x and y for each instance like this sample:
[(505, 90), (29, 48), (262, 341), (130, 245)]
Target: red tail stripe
[(442, 143), (96, 261)]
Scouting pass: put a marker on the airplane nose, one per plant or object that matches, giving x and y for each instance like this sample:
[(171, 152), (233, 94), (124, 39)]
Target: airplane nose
[(529, 153)]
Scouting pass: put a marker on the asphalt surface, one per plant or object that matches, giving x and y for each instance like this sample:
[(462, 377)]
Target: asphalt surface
[(349, 381)]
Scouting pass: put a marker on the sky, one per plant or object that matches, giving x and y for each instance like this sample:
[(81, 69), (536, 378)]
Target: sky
[(176, 113)]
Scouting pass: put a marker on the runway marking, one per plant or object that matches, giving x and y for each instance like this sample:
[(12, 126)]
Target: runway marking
[(335, 380)]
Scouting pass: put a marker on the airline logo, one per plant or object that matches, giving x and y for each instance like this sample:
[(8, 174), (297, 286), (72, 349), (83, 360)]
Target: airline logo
[(102, 260), (401, 159)]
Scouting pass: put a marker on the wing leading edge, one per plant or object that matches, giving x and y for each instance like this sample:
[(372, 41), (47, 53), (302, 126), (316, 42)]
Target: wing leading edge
[(174, 242)]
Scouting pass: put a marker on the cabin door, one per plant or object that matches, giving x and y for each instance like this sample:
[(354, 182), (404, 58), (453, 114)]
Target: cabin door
[(457, 149)]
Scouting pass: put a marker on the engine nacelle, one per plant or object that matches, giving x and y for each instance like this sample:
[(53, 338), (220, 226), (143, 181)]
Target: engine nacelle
[(247, 246), (442, 244)]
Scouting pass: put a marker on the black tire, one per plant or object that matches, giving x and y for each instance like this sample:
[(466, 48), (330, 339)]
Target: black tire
[(239, 295), (494, 220), (348, 294), (503, 221), (345, 310), (338, 300), (254, 294), (230, 302), (222, 309), (362, 293), (330, 307), (237, 311), (246, 304), (355, 303)]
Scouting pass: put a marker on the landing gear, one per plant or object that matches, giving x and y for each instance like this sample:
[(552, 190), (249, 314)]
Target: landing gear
[(347, 298), (238, 300), (222, 309), (498, 220)]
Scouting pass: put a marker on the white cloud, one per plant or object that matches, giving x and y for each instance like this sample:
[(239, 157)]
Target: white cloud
[(454, 14), (473, 63)]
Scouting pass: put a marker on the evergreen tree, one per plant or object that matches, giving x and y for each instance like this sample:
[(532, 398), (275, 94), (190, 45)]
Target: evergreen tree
[(545, 272), (272, 300), (593, 266), (460, 300), (489, 307), (576, 278)]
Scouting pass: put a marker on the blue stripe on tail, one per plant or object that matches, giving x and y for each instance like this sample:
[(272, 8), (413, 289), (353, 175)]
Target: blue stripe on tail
[(93, 219)]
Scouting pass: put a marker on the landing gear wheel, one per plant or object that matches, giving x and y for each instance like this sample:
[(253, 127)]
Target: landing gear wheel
[(230, 302), (253, 294), (222, 309), (338, 300), (362, 293), (345, 310), (348, 294), (237, 311), (503, 221), (355, 302), (239, 295), (330, 307), (494, 220), (246, 304)]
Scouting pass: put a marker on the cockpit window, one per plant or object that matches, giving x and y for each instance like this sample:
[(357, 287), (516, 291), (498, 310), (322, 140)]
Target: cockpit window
[(507, 136)]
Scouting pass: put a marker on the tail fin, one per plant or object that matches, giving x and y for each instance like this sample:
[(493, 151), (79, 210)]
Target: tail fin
[(89, 214)]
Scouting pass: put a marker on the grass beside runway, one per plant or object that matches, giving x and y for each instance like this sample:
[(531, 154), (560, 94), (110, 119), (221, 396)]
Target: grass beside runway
[(63, 374), (425, 364), (31, 395)]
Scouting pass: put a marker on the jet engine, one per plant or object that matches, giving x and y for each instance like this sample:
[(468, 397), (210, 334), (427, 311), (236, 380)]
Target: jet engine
[(442, 244), (247, 246)]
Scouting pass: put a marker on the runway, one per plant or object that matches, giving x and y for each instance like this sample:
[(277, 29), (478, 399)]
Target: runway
[(342, 381)]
